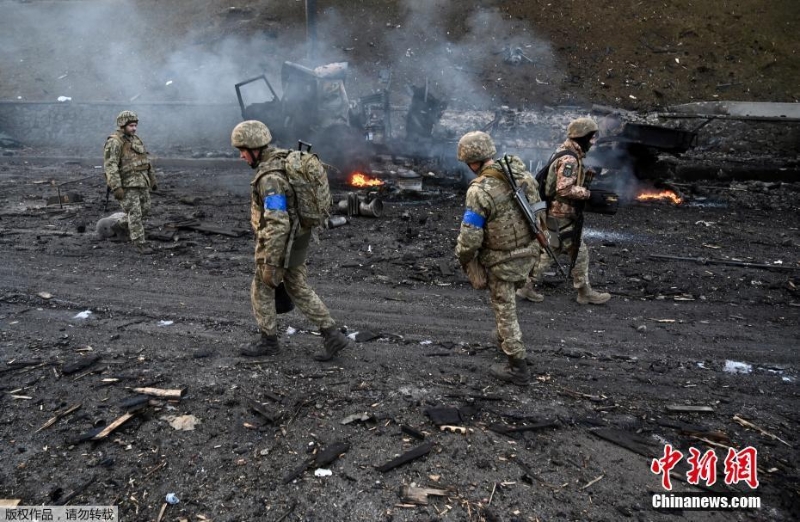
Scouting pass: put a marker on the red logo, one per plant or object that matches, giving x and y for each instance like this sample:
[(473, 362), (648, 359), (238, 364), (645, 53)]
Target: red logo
[(740, 466)]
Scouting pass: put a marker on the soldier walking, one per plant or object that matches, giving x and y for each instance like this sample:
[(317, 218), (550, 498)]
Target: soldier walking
[(565, 189), (495, 233), (130, 177), (281, 245)]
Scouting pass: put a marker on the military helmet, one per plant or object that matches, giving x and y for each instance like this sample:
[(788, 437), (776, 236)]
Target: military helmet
[(126, 117), (475, 146), (250, 134), (581, 127)]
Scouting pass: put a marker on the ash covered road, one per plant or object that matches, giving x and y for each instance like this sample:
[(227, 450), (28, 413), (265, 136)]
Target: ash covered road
[(177, 318)]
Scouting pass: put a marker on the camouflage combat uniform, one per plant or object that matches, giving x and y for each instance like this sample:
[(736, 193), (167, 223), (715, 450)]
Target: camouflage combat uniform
[(280, 242), (565, 180), (127, 166), (494, 229)]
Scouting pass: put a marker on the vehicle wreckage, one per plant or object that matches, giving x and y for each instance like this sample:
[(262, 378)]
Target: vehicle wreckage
[(361, 136)]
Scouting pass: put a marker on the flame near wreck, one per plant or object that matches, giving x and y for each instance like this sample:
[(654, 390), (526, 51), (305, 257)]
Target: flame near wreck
[(359, 179), (656, 195)]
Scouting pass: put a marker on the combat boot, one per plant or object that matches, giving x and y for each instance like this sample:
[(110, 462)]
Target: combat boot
[(143, 248), (265, 345), (514, 371), (334, 342), (527, 292), (588, 296)]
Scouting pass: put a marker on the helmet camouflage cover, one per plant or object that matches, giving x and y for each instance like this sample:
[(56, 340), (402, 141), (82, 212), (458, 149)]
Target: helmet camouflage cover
[(581, 127), (475, 146), (126, 117), (250, 134)]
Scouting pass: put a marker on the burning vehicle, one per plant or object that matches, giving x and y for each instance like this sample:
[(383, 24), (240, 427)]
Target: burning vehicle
[(314, 107)]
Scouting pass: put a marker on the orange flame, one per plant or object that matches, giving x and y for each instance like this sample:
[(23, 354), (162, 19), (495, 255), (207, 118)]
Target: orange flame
[(358, 179), (664, 194)]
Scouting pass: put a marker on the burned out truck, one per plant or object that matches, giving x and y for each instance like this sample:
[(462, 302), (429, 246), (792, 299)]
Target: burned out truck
[(314, 107)]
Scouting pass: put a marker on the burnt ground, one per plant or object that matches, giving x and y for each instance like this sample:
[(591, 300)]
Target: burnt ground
[(177, 318)]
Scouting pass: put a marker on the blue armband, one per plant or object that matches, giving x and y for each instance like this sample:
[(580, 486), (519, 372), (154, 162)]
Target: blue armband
[(275, 202), (473, 218)]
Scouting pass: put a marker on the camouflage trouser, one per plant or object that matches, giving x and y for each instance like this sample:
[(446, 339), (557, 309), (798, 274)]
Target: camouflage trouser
[(295, 279), (502, 295), (580, 274), (136, 205)]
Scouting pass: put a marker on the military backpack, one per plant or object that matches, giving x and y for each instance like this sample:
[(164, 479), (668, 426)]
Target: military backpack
[(308, 178), (541, 176)]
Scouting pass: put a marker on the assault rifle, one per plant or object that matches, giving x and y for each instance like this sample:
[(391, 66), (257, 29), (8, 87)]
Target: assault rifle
[(530, 212)]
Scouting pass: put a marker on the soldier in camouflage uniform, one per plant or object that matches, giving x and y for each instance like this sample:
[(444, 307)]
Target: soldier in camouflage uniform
[(565, 184), (495, 231), (281, 245), (129, 176)]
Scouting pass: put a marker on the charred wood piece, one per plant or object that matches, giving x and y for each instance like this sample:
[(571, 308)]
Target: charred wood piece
[(80, 364), (408, 430), (405, 458)]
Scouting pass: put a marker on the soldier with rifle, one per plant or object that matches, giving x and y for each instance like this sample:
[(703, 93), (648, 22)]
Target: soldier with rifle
[(496, 243), (567, 190)]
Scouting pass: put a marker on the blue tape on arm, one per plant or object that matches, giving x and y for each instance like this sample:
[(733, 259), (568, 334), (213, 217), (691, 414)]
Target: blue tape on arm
[(473, 218), (275, 202)]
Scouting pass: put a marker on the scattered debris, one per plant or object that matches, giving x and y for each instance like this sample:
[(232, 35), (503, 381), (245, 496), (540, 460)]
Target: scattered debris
[(182, 423), (80, 364), (83, 315), (710, 261), (405, 458), (105, 432), (58, 416), (737, 367), (408, 430), (748, 424), (681, 408), (419, 496), (322, 459), (164, 394)]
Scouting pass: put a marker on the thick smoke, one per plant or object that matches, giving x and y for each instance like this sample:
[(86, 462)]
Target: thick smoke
[(113, 51)]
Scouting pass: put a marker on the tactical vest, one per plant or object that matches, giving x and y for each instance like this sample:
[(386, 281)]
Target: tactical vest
[(272, 163), (133, 157), (507, 229)]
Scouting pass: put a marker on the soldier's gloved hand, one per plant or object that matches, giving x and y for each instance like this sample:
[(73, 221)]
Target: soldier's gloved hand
[(153, 187), (119, 193), (151, 178), (270, 275)]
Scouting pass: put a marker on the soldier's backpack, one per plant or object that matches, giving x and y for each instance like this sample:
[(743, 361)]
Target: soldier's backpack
[(541, 176), (308, 178)]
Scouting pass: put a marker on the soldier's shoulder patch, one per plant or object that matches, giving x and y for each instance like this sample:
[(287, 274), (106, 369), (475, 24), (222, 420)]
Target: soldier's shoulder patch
[(569, 168)]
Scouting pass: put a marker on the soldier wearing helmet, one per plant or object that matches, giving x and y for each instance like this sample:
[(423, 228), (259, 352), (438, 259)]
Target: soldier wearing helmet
[(129, 176), (495, 235), (281, 245), (565, 189)]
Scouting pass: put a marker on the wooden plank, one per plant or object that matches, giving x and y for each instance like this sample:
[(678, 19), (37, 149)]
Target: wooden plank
[(164, 394), (105, 432)]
